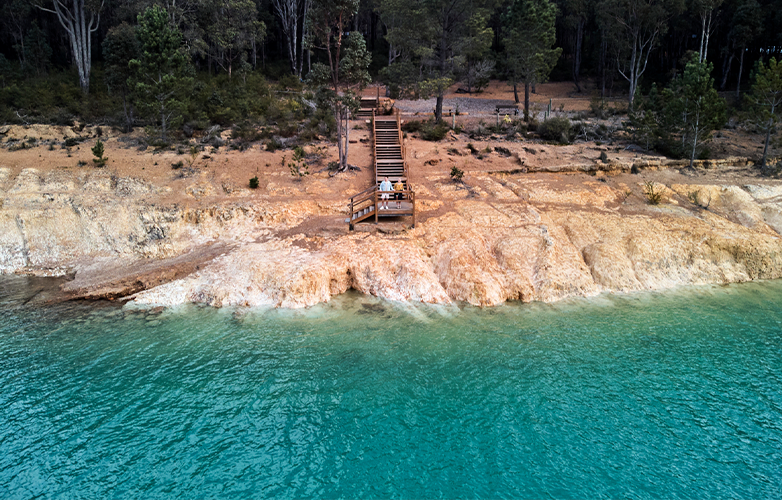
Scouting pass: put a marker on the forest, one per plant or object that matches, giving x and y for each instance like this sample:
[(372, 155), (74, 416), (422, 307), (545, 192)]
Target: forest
[(291, 67)]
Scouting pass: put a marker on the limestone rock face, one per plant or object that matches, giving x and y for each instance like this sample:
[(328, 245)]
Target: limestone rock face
[(507, 239)]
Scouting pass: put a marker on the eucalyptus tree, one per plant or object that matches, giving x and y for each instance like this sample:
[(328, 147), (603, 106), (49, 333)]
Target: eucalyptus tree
[(293, 20), (81, 19), (705, 10), (636, 26), (336, 83), (766, 101), (233, 29), (747, 25), (15, 16), (529, 40), (576, 14)]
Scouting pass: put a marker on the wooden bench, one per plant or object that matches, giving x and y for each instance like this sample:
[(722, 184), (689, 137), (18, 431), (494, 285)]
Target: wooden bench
[(514, 108)]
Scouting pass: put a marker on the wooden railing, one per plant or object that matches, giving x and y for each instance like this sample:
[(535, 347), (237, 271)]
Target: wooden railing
[(366, 204)]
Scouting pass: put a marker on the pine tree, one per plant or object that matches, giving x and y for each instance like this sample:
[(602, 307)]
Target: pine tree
[(766, 101), (119, 47), (693, 108), (528, 44), (162, 73)]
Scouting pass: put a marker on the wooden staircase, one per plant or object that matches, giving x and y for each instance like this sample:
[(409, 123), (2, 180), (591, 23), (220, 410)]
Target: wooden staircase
[(367, 108), (389, 153)]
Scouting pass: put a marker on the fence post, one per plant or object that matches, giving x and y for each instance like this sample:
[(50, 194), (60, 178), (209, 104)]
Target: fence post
[(350, 216)]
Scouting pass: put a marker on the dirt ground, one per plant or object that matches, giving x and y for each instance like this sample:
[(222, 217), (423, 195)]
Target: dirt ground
[(216, 173)]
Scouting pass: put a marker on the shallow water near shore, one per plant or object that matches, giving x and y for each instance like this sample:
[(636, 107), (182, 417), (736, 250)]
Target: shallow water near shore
[(651, 395)]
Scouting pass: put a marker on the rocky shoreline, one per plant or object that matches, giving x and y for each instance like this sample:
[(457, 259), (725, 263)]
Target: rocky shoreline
[(494, 238)]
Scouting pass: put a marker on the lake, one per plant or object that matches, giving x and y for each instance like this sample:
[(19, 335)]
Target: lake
[(648, 395)]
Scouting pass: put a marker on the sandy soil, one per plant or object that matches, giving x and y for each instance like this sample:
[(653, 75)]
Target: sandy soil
[(430, 163)]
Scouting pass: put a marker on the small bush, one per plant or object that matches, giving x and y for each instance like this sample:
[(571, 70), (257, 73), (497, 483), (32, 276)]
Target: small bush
[(503, 151), (177, 165), (254, 182), (654, 195), (246, 133), (555, 129), (412, 126), (601, 108), (297, 166), (434, 131), (71, 142), (429, 130), (97, 151), (603, 157), (457, 174), (472, 148), (273, 145)]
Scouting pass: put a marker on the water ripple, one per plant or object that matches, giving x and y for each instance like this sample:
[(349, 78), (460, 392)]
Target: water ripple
[(673, 395)]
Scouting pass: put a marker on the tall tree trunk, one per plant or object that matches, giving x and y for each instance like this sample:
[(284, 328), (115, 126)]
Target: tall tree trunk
[(633, 77), (694, 139), (516, 92), (726, 69), (602, 64), (765, 145), (347, 134), (526, 101), (74, 20), (340, 125), (438, 109), (577, 55), (741, 70)]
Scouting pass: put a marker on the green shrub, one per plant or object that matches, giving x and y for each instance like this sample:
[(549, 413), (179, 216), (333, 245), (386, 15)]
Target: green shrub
[(97, 151), (434, 131), (273, 145), (254, 182), (556, 129), (412, 126), (456, 173), (297, 165), (245, 132)]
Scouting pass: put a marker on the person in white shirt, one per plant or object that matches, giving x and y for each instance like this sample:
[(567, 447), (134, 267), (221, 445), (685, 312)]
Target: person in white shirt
[(385, 186)]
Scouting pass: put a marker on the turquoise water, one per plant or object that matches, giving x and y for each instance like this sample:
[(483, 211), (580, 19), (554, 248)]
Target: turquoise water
[(673, 395)]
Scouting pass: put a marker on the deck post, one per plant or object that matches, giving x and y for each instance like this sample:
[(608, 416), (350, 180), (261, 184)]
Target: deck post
[(412, 199), (377, 208), (350, 216)]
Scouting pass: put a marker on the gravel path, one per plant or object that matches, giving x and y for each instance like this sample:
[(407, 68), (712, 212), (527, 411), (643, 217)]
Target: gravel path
[(475, 106)]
